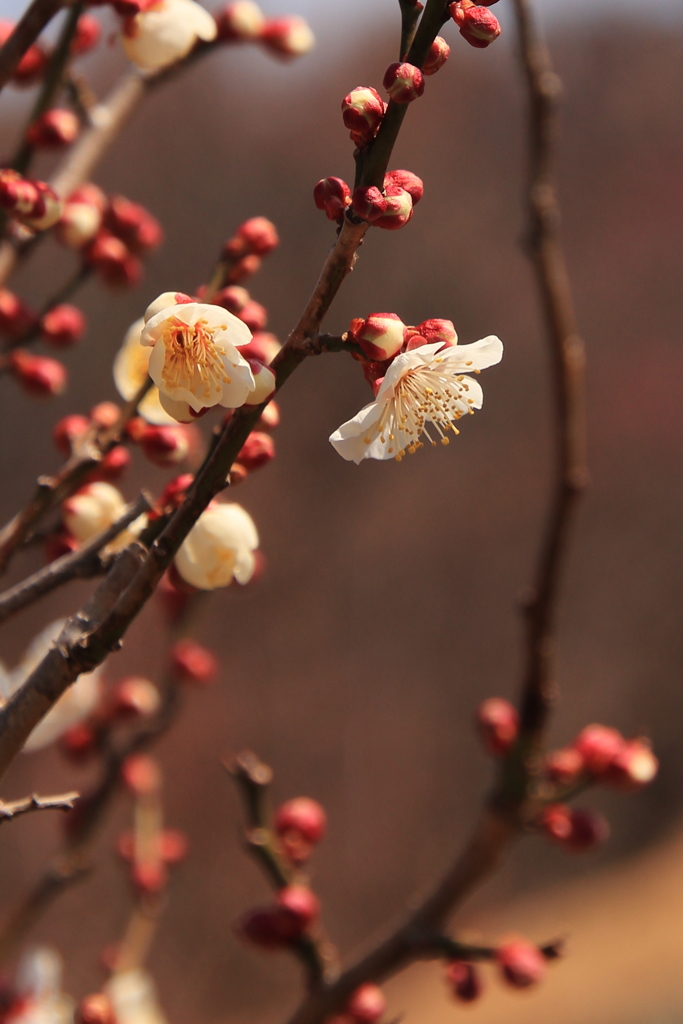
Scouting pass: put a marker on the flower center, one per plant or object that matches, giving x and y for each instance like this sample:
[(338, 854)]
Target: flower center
[(423, 395), (193, 359)]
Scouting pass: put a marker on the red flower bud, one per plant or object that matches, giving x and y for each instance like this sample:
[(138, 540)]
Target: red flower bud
[(95, 1009), (68, 430), (381, 335), (112, 466), (17, 195), (301, 904), (577, 830), (141, 775), (46, 210), (173, 846), (436, 56), (16, 319), (464, 981), (87, 35), (633, 767), (149, 876), (404, 82), (408, 181), (233, 298), (521, 963), (477, 24), (175, 491), (113, 261), (399, 209), (62, 326), (598, 745), (254, 315), (105, 415), (332, 195), (133, 224), (367, 1004), (193, 663), (78, 742), (301, 815), (362, 112), (498, 723), (270, 417), (244, 268), (257, 451), (53, 129), (259, 236), (134, 697), (564, 766), (240, 21), (290, 36), (38, 375), (369, 203), (264, 346), (268, 927), (432, 331), (166, 445), (91, 195), (32, 65)]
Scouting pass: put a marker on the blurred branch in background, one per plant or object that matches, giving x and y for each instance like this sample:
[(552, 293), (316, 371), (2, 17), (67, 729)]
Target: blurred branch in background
[(34, 20)]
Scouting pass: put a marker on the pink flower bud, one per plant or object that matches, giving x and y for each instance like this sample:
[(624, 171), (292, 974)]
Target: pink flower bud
[(141, 774), (68, 430), (633, 767), (113, 261), (408, 181), (332, 195), (78, 742), (78, 224), (38, 375), (301, 904), (233, 298), (112, 466), (95, 1009), (257, 451), (598, 745), (105, 415), (149, 876), (264, 383), (54, 129), (437, 330), (259, 236), (193, 663), (134, 697), (17, 195), (165, 445), (399, 209), (564, 766), (264, 346), (91, 195), (87, 35), (367, 1004), (362, 112), (62, 326), (369, 203), (464, 981), (436, 56), (254, 315), (32, 65), (381, 335), (16, 319), (133, 224), (477, 24), (290, 36), (576, 830), (521, 963), (176, 490), (498, 723), (270, 417), (244, 268), (301, 815), (241, 21), (173, 846), (403, 82)]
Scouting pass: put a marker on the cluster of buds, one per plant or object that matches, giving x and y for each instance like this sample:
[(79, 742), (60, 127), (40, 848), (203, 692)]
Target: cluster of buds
[(243, 254), (32, 203), (476, 23), (363, 110), (383, 336), (32, 65), (73, 429), (60, 326), (390, 207), (243, 21), (520, 964)]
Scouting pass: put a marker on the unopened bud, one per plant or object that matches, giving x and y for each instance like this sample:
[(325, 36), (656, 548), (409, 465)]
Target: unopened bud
[(113, 465), (362, 112), (32, 65), (633, 767), (264, 383), (267, 927), (95, 1009), (91, 195), (141, 774), (173, 846), (264, 346), (113, 261), (477, 24), (432, 331), (87, 34), (302, 815), (233, 298), (369, 203), (16, 319), (240, 21), (193, 663), (149, 876), (367, 1004), (270, 417), (290, 36), (521, 963), (105, 415), (53, 129), (38, 375), (399, 209), (301, 904), (332, 195), (254, 315), (498, 723), (244, 268), (78, 742), (67, 431), (166, 445), (78, 224), (134, 697), (257, 451), (259, 236), (576, 830), (175, 490), (437, 56), (17, 195), (46, 210), (404, 82), (464, 981), (598, 745), (564, 766), (62, 326), (133, 224), (380, 335)]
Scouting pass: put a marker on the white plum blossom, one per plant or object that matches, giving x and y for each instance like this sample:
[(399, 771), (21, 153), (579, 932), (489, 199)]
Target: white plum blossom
[(195, 358), (72, 707), (134, 998), (425, 387), (219, 547), (130, 373), (166, 32)]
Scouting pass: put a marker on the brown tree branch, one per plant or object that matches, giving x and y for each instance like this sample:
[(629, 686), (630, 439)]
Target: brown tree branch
[(61, 802), (25, 34), (83, 564)]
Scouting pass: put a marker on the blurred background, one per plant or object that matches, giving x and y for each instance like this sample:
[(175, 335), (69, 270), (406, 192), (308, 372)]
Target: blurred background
[(388, 610)]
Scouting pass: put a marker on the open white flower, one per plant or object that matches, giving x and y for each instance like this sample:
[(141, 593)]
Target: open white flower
[(166, 32), (72, 707), (425, 386), (219, 547), (195, 358), (131, 372)]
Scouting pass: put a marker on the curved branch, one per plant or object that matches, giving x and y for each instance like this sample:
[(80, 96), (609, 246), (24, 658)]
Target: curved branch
[(62, 802)]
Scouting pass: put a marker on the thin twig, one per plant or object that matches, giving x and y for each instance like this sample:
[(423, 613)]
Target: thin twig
[(25, 34), (61, 802), (83, 564)]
